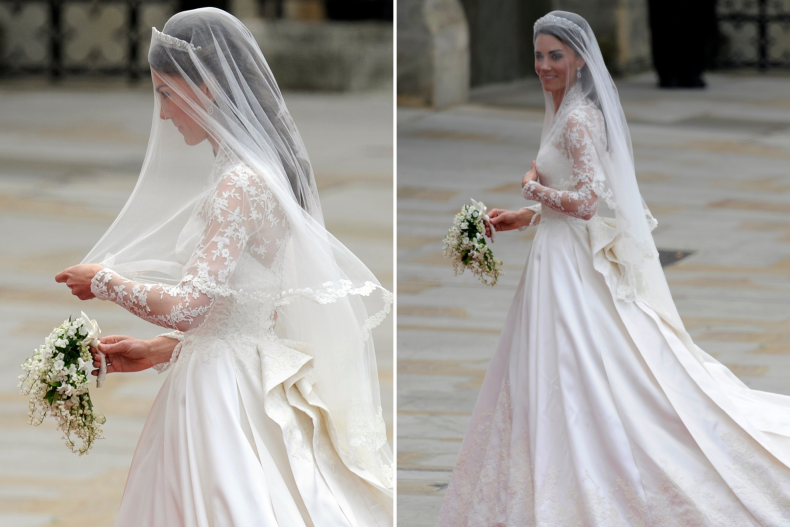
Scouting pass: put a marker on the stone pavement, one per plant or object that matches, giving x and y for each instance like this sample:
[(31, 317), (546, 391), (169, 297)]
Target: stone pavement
[(714, 167), (69, 157)]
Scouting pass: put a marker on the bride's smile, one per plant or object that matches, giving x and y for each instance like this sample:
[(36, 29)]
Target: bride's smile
[(553, 63)]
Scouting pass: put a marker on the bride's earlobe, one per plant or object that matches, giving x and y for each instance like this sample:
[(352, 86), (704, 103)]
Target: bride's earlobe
[(212, 103)]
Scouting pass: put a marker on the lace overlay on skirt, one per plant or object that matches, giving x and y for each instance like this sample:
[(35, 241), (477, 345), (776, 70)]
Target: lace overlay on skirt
[(492, 486)]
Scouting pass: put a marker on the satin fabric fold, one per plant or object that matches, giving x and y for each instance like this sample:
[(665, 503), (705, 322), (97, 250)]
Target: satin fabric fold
[(270, 461)]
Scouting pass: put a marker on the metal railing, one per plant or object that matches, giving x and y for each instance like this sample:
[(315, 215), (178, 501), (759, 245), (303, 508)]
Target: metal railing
[(57, 30), (749, 31)]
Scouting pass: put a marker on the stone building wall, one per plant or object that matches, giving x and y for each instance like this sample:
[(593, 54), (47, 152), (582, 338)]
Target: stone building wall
[(500, 38), (433, 53), (622, 30), (494, 37)]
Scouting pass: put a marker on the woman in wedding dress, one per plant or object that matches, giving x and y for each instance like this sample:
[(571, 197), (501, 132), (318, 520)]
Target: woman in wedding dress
[(222, 239), (597, 408)]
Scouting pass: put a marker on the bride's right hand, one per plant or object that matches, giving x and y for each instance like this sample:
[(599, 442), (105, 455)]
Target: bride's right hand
[(503, 220), (128, 354)]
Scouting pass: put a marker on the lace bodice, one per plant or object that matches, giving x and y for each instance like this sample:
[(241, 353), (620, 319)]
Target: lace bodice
[(571, 176), (232, 251)]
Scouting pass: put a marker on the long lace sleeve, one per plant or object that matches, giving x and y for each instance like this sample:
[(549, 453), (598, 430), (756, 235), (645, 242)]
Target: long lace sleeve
[(240, 207), (586, 183)]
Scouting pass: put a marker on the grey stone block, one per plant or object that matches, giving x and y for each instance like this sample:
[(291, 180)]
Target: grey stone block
[(433, 53)]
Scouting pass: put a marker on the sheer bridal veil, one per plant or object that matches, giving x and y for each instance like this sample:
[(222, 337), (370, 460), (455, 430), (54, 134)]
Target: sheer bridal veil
[(329, 299), (621, 239)]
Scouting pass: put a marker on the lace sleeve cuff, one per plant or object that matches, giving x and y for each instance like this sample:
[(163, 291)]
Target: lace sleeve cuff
[(99, 284), (175, 335), (535, 217)]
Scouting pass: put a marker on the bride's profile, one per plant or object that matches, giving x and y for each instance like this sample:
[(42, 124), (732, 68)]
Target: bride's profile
[(222, 240), (597, 408)]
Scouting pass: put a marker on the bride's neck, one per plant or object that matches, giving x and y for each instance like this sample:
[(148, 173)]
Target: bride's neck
[(559, 95), (214, 144)]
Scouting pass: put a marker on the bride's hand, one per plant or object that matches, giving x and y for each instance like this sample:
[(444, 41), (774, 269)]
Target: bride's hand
[(128, 354), (78, 279), (503, 220), (532, 175)]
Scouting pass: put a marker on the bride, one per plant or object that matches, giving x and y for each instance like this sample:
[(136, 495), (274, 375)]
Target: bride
[(222, 238), (597, 408)]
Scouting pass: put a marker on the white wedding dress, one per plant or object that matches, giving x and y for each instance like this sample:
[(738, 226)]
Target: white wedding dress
[(237, 435), (595, 411)]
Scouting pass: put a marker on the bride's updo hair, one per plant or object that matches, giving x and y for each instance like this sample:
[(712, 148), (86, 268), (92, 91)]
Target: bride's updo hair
[(222, 47)]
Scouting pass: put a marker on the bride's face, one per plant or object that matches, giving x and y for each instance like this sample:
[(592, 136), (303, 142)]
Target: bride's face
[(173, 104), (554, 62)]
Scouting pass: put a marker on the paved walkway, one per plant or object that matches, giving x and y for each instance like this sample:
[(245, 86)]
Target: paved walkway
[(714, 167), (69, 158)]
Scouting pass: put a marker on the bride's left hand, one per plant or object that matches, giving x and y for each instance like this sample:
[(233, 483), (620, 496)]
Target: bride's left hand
[(78, 279), (532, 175)]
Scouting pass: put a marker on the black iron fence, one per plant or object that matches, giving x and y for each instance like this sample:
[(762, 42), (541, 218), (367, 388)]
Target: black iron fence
[(753, 34), (97, 37)]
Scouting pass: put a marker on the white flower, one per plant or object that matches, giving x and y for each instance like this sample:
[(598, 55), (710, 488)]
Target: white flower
[(71, 406), (85, 365), (466, 247)]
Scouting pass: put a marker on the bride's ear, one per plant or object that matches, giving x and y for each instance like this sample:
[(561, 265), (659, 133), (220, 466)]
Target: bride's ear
[(204, 88)]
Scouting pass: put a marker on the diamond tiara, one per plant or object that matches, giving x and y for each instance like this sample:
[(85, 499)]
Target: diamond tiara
[(173, 42), (552, 20)]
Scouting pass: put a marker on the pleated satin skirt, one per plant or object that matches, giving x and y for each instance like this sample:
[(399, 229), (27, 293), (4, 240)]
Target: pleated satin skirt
[(229, 442)]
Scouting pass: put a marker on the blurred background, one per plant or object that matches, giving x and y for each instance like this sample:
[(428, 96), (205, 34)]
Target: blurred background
[(705, 86), (448, 47), (76, 105)]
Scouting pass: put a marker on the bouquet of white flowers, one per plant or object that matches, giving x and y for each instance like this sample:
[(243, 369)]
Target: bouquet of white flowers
[(57, 377), (465, 244)]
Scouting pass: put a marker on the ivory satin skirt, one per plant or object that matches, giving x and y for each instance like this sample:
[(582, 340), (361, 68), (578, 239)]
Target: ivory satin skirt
[(231, 442), (595, 412)]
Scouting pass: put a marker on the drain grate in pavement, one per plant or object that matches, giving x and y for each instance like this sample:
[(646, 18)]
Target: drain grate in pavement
[(667, 257)]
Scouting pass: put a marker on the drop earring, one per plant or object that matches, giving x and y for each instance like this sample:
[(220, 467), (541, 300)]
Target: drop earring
[(578, 73)]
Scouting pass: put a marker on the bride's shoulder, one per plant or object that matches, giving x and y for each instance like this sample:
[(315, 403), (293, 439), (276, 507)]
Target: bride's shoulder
[(237, 174), (230, 168), (585, 112), (585, 117)]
